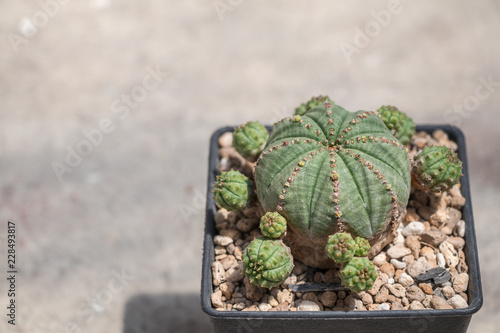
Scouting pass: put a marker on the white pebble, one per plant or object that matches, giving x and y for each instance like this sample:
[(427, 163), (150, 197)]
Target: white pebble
[(380, 259), (405, 280), (414, 228), (457, 302), (399, 240), (461, 228), (390, 281), (308, 306), (222, 240), (440, 260), (398, 251), (398, 264), (384, 307)]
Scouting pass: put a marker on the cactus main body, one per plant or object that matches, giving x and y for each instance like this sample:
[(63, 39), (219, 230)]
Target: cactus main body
[(333, 170)]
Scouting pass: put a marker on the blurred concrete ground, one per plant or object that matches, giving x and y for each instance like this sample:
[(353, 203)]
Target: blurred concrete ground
[(111, 241)]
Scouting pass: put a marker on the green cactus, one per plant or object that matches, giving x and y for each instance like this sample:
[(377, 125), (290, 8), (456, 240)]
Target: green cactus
[(402, 125), (233, 190), (358, 275), (363, 246), (312, 103), (267, 262), (249, 139), (436, 169), (272, 225), (341, 247), (333, 171)]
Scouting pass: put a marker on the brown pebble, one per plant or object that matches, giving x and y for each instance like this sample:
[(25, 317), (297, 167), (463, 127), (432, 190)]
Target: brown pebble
[(457, 242), (414, 293), (388, 269), (433, 237), (413, 244), (381, 296), (328, 298), (460, 283), (251, 308), (426, 288), (440, 303)]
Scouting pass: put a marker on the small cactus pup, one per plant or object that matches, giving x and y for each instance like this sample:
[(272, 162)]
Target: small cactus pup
[(272, 225), (363, 247), (341, 247), (233, 190), (359, 274), (267, 262), (331, 171), (436, 169), (249, 139), (397, 121), (312, 103)]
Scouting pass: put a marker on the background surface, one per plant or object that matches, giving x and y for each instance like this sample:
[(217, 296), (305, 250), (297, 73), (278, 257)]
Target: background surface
[(110, 240)]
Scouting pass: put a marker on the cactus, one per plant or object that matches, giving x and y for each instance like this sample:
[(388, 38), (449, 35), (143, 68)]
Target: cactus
[(272, 225), (341, 247), (362, 247), (332, 171), (436, 169), (402, 125), (249, 139), (359, 274), (233, 190), (312, 103), (268, 262)]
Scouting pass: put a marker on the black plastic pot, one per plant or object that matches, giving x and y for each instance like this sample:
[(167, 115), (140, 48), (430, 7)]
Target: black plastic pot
[(438, 321)]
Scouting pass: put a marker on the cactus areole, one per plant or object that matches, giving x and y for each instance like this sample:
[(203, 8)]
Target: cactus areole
[(330, 171)]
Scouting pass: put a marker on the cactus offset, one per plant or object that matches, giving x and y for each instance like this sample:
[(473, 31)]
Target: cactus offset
[(402, 125), (436, 169), (233, 190), (249, 139), (362, 247), (332, 171), (340, 247), (312, 103), (268, 262), (272, 225), (359, 274)]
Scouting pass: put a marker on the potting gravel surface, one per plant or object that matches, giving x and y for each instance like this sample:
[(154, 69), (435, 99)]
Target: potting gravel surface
[(423, 268)]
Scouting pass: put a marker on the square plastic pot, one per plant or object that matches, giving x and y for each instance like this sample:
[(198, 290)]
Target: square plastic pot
[(439, 321)]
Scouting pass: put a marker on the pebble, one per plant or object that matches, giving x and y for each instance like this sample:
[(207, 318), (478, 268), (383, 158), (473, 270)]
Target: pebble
[(299, 267), (219, 250), (460, 283), (234, 274), (290, 280), (328, 298), (239, 306), (228, 262), (379, 282), (426, 288), (251, 308), (226, 139), (219, 276), (222, 240), (388, 269), (308, 306), (405, 280), (216, 299), (232, 217), (397, 306), (398, 251), (382, 295), (383, 307), (440, 260), (457, 242), (221, 216), (284, 296), (272, 301), (439, 275), (460, 228), (448, 292), (398, 264), (449, 253), (353, 303), (366, 298), (414, 228), (414, 293), (433, 237), (413, 243), (380, 259), (418, 267), (397, 290), (457, 302), (440, 303), (265, 307), (227, 289), (416, 305)]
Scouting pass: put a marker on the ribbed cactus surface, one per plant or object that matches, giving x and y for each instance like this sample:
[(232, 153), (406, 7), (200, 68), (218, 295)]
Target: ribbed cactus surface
[(333, 170)]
